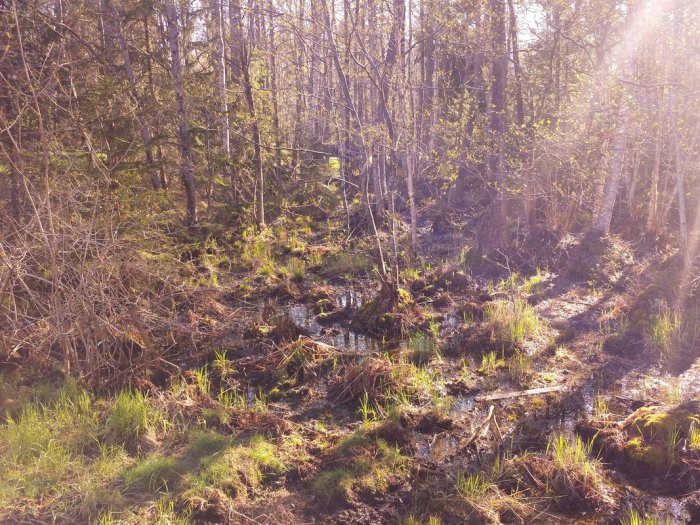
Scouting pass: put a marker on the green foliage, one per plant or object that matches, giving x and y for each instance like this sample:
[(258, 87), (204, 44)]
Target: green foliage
[(423, 348), (489, 363), (154, 474), (634, 518), (514, 321), (575, 469), (472, 488), (694, 437), (366, 463), (346, 264), (663, 331), (203, 380), (130, 416), (520, 367)]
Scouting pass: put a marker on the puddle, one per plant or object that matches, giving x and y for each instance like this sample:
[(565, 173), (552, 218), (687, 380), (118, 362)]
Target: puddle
[(463, 404), (354, 342), (302, 317), (438, 447), (349, 299), (338, 335), (451, 322)]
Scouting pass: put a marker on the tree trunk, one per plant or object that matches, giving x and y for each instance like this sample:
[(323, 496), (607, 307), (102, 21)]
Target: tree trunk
[(612, 181), (143, 123), (187, 165), (220, 71)]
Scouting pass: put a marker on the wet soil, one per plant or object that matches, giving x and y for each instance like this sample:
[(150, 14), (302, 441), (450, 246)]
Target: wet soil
[(568, 360)]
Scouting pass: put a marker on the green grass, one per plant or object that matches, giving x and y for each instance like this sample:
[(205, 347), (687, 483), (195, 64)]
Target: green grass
[(363, 462), (575, 469), (64, 460), (203, 379), (694, 437), (347, 264), (472, 488), (600, 408), (49, 449), (569, 453), (423, 348), (480, 494), (634, 518), (534, 284), (220, 363), (663, 332), (130, 416), (154, 474), (514, 321), (414, 520), (295, 269), (489, 363), (408, 275), (520, 367), (238, 468)]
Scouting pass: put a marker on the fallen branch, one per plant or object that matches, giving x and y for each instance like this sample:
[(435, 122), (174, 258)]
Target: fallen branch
[(481, 429), (521, 393)]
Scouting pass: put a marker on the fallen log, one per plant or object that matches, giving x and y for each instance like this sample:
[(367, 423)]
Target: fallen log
[(521, 393)]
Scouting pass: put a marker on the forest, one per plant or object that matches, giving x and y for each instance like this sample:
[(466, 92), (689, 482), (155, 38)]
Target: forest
[(407, 262)]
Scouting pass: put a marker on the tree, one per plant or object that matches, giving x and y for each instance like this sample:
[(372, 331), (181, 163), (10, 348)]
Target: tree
[(186, 163)]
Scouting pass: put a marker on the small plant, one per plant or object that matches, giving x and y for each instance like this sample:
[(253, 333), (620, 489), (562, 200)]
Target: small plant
[(231, 398), (130, 416), (489, 363), (535, 283), (165, 514), (203, 380), (694, 437), (569, 453), (441, 403), (575, 473), (260, 402), (464, 372), (220, 363), (634, 518), (663, 332), (346, 264), (514, 321), (413, 520), (366, 409), (434, 328), (267, 269), (675, 394), (296, 269), (410, 274), (600, 408), (520, 367), (673, 436), (423, 348), (472, 488)]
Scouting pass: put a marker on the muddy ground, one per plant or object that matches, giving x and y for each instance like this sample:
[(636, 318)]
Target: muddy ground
[(480, 411), (440, 411)]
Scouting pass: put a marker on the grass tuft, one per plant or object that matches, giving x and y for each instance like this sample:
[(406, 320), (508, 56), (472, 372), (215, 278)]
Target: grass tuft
[(130, 416), (514, 321)]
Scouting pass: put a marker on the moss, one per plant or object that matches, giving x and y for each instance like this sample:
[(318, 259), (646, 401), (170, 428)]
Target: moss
[(655, 458), (657, 425), (655, 432)]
